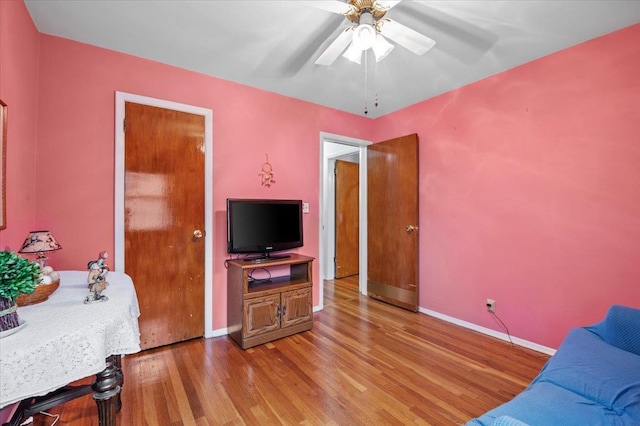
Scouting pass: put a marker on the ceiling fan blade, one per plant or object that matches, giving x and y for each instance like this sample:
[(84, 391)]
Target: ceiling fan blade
[(335, 48), (454, 34), (334, 6), (406, 37)]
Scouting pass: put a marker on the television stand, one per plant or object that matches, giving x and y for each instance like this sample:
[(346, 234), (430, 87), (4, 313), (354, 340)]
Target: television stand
[(261, 311)]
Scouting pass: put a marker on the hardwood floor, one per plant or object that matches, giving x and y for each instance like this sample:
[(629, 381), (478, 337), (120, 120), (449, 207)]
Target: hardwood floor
[(363, 363)]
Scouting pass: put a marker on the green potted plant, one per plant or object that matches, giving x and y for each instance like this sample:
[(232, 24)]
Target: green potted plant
[(17, 275)]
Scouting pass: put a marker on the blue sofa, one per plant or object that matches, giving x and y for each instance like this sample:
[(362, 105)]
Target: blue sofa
[(593, 379)]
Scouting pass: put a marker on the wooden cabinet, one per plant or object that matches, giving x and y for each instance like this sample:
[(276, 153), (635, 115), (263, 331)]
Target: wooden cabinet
[(263, 309)]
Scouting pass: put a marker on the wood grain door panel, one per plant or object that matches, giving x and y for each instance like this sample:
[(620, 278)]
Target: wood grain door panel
[(164, 205), (347, 219), (392, 182), (297, 307), (261, 315)]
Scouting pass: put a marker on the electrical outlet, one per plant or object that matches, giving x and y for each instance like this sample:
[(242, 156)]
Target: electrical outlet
[(491, 305), (305, 207)]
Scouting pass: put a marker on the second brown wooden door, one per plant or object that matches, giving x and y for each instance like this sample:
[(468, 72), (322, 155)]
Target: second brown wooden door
[(347, 219), (392, 185)]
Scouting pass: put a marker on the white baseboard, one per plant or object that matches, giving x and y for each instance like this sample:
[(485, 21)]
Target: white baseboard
[(217, 333), (502, 336), (489, 332)]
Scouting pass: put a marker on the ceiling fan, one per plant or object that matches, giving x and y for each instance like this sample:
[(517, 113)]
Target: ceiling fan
[(368, 29)]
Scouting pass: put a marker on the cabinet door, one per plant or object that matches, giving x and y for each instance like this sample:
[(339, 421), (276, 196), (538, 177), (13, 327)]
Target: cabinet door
[(296, 307), (261, 315)]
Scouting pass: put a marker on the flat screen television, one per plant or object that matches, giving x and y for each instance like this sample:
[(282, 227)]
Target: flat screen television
[(259, 228)]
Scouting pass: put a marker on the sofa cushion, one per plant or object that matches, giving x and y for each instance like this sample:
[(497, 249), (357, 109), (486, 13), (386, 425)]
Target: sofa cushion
[(592, 368), (508, 421), (545, 404), (620, 328)]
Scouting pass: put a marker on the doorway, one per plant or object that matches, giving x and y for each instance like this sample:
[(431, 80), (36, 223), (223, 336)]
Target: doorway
[(122, 99), (396, 227), (332, 147)]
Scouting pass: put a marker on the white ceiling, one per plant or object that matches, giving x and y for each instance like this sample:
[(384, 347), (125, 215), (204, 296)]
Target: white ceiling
[(272, 45)]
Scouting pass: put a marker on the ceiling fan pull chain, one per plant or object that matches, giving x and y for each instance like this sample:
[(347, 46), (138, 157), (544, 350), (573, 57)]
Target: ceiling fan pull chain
[(366, 82), (375, 83)]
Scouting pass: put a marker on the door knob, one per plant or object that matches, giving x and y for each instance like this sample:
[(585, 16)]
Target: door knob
[(411, 228), (197, 234)]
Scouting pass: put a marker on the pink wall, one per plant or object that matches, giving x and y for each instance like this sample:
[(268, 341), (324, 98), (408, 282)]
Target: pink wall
[(529, 179), (530, 190), (75, 190), (18, 89)]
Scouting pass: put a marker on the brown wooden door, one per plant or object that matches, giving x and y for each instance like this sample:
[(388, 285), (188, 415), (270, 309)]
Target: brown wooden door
[(392, 186), (347, 219), (164, 211)]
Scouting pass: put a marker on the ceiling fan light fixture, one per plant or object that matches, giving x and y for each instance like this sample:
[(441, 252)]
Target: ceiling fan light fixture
[(364, 36), (353, 53), (381, 48)]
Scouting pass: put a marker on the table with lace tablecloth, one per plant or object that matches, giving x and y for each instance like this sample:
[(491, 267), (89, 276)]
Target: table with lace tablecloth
[(64, 339)]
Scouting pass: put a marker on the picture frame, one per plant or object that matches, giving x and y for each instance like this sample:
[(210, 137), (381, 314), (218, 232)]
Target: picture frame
[(3, 164)]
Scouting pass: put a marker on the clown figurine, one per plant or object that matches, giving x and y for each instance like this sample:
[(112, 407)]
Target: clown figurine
[(97, 278)]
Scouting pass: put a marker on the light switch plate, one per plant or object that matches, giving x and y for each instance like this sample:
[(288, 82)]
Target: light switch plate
[(305, 207)]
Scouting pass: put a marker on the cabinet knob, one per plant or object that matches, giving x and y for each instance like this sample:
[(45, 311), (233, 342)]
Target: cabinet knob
[(197, 234), (411, 228)]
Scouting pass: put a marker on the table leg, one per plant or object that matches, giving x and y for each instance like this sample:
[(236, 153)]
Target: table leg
[(117, 361), (107, 393)]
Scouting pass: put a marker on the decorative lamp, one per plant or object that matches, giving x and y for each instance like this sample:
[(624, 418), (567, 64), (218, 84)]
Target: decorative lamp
[(40, 242)]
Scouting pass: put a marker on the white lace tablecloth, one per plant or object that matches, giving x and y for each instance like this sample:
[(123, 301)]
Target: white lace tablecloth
[(64, 340)]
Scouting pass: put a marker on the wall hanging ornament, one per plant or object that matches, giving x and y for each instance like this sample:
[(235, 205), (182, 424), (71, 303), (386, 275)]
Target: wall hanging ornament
[(267, 173)]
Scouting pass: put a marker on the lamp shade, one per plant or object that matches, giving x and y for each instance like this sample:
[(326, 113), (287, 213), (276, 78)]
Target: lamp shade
[(381, 48), (365, 33), (353, 53), (364, 36), (39, 242)]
